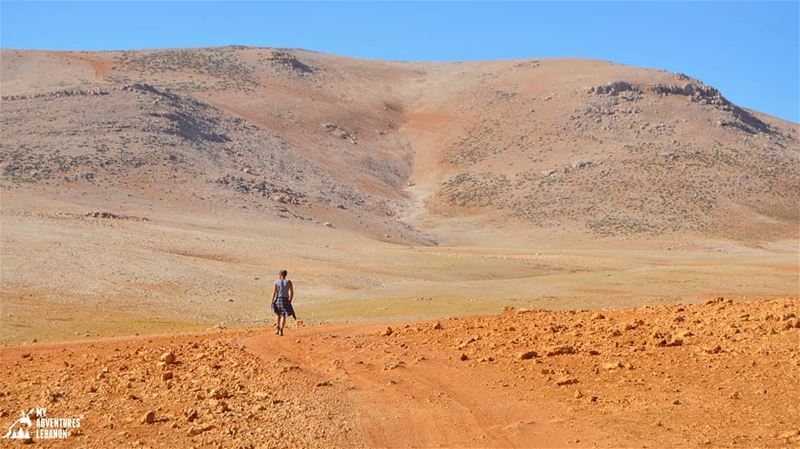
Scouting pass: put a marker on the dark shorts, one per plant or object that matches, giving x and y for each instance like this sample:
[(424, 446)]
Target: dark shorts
[(283, 307)]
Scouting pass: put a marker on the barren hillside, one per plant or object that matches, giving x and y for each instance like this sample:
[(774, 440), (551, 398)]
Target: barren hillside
[(389, 149)]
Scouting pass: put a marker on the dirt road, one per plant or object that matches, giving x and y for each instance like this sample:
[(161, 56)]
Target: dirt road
[(419, 397), (718, 374), (616, 378)]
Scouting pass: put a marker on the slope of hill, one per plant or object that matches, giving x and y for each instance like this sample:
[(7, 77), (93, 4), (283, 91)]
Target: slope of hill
[(581, 147), (605, 149)]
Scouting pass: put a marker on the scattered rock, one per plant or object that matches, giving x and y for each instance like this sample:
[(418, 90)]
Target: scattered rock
[(566, 381), (612, 365), (560, 350), (633, 325), (581, 165), (194, 431), (340, 132), (149, 417), (673, 341), (112, 216), (191, 415), (167, 357), (526, 355), (219, 393), (789, 434)]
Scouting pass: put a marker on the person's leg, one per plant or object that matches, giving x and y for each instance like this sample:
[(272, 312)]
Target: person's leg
[(278, 324), (283, 323)]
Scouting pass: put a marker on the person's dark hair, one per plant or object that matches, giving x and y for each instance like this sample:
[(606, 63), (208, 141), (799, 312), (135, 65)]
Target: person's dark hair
[(283, 273)]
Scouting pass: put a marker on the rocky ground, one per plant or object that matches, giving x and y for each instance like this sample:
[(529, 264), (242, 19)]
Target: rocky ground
[(190, 391), (718, 374)]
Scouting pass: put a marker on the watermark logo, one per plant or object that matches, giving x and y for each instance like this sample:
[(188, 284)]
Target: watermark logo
[(20, 430), (35, 424)]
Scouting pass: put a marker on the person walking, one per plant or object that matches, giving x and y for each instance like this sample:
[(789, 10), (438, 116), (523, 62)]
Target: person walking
[(282, 296)]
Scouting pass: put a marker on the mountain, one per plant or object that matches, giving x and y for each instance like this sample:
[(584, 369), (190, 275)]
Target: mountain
[(405, 152), (153, 190)]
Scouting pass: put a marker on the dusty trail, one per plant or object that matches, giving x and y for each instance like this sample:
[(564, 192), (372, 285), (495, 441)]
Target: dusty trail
[(101, 66), (718, 374), (418, 397), (610, 379)]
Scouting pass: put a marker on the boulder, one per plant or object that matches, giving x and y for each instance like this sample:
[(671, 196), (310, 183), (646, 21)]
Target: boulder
[(526, 355), (168, 357)]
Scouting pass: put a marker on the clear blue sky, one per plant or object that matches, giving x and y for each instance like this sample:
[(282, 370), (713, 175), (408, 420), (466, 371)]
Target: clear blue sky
[(749, 50)]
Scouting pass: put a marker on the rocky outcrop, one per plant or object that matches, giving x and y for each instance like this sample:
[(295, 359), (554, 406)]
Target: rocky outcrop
[(707, 95), (613, 88), (262, 188), (288, 61)]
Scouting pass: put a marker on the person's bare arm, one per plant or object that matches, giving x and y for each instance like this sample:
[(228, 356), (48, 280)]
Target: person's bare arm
[(274, 292), (291, 291)]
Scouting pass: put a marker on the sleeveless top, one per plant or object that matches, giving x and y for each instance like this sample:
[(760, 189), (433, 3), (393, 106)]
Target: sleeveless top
[(283, 288)]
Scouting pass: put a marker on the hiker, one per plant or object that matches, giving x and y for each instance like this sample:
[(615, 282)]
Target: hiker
[(282, 295)]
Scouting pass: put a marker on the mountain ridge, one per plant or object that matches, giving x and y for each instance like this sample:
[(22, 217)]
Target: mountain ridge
[(388, 148)]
